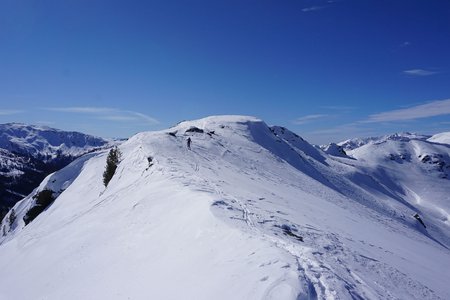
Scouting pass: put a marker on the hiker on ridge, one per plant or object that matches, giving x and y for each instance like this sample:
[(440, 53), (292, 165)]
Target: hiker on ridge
[(189, 141)]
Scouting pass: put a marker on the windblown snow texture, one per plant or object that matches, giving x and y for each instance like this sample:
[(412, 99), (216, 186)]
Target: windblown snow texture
[(249, 212)]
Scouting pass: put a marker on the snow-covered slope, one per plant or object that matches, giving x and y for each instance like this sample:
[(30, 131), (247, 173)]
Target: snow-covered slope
[(28, 153), (416, 172), (250, 212), (442, 138)]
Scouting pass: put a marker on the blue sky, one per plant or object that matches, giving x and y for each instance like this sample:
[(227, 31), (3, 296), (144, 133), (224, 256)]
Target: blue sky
[(328, 70)]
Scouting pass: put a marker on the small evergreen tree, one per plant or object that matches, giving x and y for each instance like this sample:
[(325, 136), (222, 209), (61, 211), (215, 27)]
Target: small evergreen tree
[(12, 217), (43, 200), (112, 161)]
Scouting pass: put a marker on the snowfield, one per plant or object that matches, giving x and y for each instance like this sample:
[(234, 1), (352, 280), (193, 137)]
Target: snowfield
[(249, 212)]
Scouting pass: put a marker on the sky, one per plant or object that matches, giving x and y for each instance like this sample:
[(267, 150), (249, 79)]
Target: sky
[(327, 70)]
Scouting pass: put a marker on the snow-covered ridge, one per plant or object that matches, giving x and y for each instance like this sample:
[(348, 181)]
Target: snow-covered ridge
[(249, 212), (443, 138), (334, 150), (403, 136)]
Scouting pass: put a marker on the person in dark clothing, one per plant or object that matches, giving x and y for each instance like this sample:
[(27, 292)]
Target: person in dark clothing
[(189, 141)]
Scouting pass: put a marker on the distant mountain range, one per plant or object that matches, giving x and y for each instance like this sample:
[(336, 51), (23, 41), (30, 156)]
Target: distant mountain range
[(29, 153)]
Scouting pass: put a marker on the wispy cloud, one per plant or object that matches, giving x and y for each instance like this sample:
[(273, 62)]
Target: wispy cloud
[(383, 123), (319, 6), (339, 133), (144, 117), (117, 118), (308, 118), (109, 114), (406, 44), (434, 108), (351, 129), (338, 108), (7, 112), (312, 8), (419, 72), (45, 123), (86, 110)]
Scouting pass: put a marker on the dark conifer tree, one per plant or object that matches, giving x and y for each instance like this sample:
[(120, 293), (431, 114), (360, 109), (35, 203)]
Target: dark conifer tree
[(112, 161), (12, 217), (43, 200)]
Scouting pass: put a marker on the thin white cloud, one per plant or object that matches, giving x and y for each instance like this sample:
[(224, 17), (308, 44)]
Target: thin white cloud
[(86, 109), (339, 133), (406, 44), (45, 123), (109, 114), (419, 72), (308, 118), (384, 125), (312, 8), (338, 108), (434, 108), (351, 129), (323, 5), (118, 118), (144, 117), (7, 112)]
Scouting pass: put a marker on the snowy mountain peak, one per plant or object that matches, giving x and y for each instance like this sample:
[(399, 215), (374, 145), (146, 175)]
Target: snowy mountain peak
[(245, 211), (334, 150)]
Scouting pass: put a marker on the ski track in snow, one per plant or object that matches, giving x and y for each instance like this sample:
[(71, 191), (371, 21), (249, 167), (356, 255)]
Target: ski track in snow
[(319, 279)]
